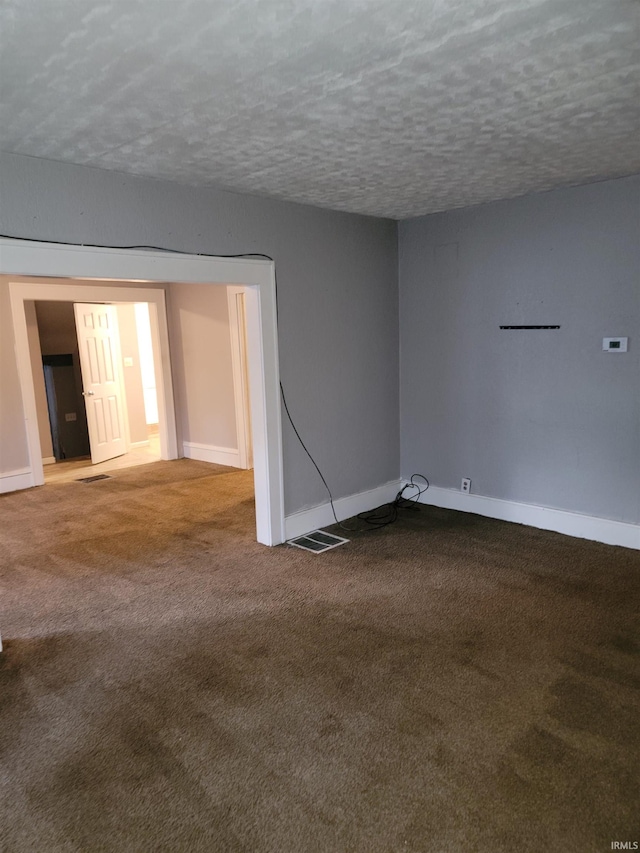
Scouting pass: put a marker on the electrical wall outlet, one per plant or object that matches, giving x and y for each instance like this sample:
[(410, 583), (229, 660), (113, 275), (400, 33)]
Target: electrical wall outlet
[(466, 485)]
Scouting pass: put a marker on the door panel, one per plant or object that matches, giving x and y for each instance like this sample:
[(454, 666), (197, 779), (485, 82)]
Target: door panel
[(99, 345)]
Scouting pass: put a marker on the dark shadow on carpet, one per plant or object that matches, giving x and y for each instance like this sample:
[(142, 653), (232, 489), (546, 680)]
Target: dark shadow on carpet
[(450, 683)]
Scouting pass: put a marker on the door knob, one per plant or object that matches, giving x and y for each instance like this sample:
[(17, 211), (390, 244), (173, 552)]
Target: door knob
[(87, 393)]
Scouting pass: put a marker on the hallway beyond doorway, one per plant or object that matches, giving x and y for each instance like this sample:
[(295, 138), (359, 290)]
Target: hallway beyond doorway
[(76, 469)]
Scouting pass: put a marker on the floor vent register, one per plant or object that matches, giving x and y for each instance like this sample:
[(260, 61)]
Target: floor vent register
[(317, 542), (94, 478)]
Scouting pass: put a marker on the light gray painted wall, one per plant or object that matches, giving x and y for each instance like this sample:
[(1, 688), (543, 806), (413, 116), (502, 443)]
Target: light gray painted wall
[(42, 407), (13, 444), (201, 363), (131, 373), (542, 417), (338, 303)]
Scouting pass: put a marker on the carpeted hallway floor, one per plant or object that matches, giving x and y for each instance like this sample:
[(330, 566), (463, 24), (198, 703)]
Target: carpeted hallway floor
[(448, 684)]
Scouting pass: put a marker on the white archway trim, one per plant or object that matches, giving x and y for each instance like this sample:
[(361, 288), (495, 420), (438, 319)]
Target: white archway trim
[(138, 267)]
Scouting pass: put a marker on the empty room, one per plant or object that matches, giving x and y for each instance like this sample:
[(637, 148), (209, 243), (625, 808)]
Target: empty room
[(373, 581)]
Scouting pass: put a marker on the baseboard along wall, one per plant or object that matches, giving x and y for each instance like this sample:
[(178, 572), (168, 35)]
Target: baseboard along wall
[(545, 518), (310, 519), (297, 524), (210, 453), (14, 481)]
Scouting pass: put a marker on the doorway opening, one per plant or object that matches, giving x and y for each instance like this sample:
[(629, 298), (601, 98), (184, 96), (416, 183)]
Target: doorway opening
[(78, 428), (140, 276)]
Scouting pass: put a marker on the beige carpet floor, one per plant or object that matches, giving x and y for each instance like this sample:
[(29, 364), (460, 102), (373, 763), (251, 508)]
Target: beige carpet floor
[(448, 684)]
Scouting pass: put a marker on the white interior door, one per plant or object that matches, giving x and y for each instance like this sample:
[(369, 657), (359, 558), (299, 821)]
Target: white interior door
[(99, 344)]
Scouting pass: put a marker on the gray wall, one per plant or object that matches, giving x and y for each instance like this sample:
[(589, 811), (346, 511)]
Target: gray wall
[(338, 308), (542, 417), (201, 364), (42, 406), (13, 442), (131, 374)]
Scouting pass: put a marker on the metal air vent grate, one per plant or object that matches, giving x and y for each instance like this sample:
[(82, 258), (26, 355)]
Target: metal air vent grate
[(317, 541)]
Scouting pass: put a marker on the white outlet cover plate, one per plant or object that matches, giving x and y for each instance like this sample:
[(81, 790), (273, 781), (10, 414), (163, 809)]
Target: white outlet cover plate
[(614, 344)]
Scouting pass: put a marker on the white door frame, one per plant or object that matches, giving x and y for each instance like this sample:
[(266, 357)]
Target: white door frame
[(138, 267), (26, 291), (238, 340)]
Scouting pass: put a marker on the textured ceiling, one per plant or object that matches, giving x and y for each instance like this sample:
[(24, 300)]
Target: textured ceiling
[(387, 107)]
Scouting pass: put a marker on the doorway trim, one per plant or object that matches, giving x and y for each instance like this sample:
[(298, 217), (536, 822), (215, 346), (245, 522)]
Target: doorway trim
[(237, 329), (28, 291), (139, 267)]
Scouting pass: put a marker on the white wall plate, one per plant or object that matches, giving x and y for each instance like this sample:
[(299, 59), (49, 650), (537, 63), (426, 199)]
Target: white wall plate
[(614, 344)]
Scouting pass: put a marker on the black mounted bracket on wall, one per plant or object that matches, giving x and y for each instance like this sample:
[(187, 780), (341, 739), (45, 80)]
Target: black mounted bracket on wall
[(529, 327)]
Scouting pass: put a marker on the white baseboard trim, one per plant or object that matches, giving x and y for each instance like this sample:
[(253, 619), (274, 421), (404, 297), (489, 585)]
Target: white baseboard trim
[(310, 519), (209, 453), (135, 444), (545, 518), (13, 481), (48, 460)]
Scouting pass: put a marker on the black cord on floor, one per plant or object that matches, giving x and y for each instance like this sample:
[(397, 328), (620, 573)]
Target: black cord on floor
[(388, 513)]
